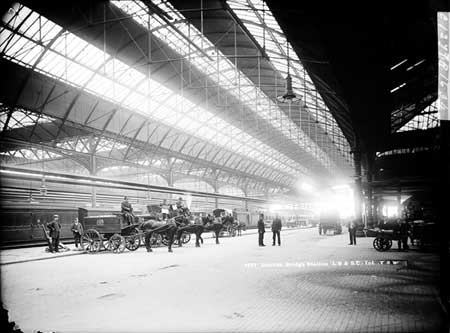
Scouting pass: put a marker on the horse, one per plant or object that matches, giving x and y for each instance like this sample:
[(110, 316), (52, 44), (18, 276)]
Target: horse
[(185, 226), (210, 225), (241, 226), (154, 226)]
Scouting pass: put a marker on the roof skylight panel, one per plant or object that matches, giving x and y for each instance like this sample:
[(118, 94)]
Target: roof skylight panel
[(78, 74), (99, 85), (21, 13), (18, 47), (31, 26), (24, 21), (48, 31), (276, 33), (208, 68), (73, 45)]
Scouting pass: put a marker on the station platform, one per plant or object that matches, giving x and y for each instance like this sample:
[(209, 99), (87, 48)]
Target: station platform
[(311, 283)]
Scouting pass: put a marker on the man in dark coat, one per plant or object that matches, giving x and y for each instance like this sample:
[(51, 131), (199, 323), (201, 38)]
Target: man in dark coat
[(127, 211), (276, 228), (261, 230), (402, 230), (77, 230), (352, 232), (54, 227)]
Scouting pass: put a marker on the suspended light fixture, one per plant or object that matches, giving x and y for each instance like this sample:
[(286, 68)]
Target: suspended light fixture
[(289, 96)]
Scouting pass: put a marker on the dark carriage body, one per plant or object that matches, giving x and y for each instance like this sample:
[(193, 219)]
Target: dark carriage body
[(111, 227)]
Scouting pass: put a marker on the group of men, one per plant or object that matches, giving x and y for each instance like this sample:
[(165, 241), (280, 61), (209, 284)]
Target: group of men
[(276, 229), (54, 227)]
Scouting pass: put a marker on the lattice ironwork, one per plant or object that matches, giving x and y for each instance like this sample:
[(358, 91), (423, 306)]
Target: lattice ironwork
[(428, 118)]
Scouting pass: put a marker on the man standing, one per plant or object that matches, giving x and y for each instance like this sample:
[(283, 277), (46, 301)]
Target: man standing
[(276, 228), (77, 230), (261, 230), (127, 211), (165, 210), (54, 226), (403, 235), (352, 232)]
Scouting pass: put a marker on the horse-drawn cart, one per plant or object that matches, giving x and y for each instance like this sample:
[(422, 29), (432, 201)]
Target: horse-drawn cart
[(109, 232), (383, 238), (230, 226)]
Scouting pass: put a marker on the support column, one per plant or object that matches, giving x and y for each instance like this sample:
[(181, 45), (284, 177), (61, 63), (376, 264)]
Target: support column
[(248, 213), (370, 201), (216, 188), (216, 201), (358, 187), (93, 172), (170, 178), (443, 211)]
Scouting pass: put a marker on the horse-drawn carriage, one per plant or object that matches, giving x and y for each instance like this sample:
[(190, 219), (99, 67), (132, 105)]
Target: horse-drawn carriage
[(156, 212), (230, 226), (109, 232)]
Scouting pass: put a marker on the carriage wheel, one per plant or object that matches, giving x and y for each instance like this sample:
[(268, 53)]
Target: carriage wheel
[(232, 231), (91, 241), (387, 244), (377, 244), (185, 237), (157, 240), (116, 243), (133, 240), (381, 244)]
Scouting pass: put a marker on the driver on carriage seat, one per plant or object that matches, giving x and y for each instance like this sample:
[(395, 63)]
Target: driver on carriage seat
[(127, 211), (179, 203), (181, 209), (165, 210)]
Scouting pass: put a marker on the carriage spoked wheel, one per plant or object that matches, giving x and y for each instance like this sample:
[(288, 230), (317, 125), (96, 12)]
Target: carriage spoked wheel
[(232, 231), (382, 244), (91, 241), (133, 240), (156, 240), (185, 237), (116, 243)]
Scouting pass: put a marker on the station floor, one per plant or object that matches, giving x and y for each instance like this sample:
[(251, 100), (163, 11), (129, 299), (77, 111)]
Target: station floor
[(311, 283)]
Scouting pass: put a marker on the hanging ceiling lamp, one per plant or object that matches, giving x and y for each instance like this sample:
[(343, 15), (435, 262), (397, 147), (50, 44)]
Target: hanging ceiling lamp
[(289, 95)]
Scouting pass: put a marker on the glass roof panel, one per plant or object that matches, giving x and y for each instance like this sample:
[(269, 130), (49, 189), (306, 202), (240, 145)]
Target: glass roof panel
[(276, 46), (70, 60), (181, 45), (427, 119)]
